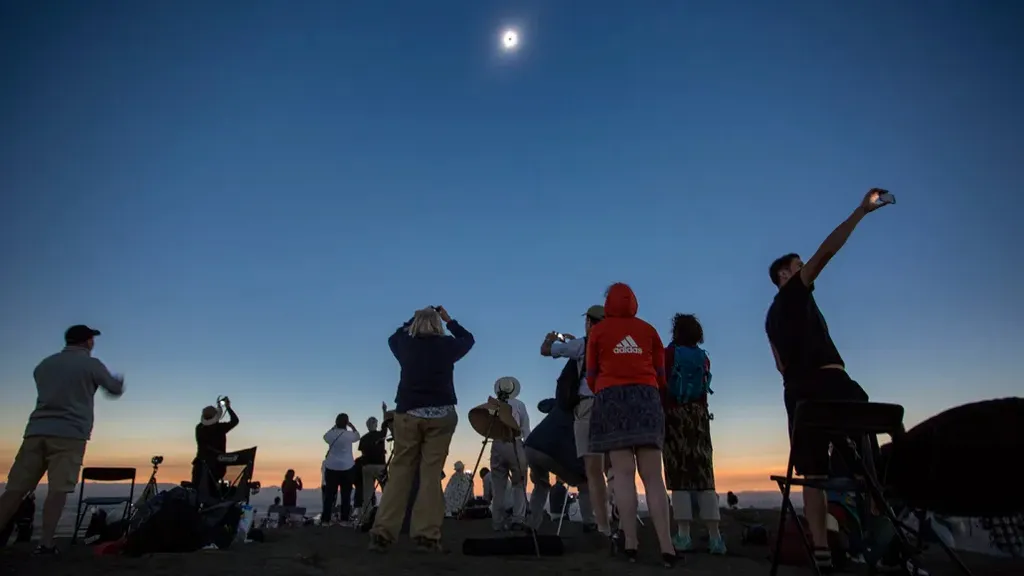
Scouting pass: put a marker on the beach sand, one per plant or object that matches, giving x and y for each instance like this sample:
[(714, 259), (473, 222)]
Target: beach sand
[(343, 552)]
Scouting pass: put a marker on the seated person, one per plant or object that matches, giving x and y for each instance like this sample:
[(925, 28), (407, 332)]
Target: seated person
[(458, 491)]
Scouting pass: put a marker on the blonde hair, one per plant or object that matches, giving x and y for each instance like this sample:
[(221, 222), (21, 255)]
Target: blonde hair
[(426, 322)]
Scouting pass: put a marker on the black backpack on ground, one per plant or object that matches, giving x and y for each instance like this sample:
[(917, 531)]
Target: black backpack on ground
[(567, 387), (167, 522)]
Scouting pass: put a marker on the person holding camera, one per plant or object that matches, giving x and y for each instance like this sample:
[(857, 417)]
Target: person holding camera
[(575, 397), (339, 468), (808, 360), (211, 441), (58, 429), (425, 420)]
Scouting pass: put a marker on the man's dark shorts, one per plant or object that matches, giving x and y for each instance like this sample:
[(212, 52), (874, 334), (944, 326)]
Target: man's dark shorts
[(810, 453)]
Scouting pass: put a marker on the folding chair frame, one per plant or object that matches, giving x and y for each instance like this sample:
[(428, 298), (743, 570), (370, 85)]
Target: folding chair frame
[(104, 474), (242, 481), (861, 467)]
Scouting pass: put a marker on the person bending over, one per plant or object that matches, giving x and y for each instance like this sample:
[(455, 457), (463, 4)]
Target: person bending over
[(58, 430), (625, 368), (689, 467), (809, 362), (425, 420), (574, 395), (339, 468), (212, 440)]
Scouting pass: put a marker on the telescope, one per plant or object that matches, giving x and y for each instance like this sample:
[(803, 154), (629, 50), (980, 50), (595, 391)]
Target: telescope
[(157, 460)]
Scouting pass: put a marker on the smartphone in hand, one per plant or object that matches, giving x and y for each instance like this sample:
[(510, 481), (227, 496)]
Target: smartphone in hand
[(885, 198)]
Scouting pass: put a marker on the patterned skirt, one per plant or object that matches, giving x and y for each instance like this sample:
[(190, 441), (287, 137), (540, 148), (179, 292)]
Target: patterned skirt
[(687, 453), (627, 416)]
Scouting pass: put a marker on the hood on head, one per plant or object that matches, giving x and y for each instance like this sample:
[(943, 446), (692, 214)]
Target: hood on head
[(620, 302)]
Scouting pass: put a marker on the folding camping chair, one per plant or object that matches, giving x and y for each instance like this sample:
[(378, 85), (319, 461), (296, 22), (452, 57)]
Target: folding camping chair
[(103, 475), (852, 426), (212, 490)]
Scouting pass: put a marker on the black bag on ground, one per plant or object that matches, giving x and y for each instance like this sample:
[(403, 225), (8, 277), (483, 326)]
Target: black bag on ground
[(167, 522)]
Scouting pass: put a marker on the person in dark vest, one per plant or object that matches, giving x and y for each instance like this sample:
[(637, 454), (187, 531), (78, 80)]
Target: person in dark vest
[(575, 397), (425, 420)]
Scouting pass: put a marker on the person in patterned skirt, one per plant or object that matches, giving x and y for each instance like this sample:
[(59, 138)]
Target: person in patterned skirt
[(689, 468)]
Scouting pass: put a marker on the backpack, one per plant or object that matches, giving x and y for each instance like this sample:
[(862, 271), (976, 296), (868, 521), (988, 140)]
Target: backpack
[(567, 387), (690, 378)]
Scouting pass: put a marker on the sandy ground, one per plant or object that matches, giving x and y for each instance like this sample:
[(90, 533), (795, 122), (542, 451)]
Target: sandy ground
[(343, 552)]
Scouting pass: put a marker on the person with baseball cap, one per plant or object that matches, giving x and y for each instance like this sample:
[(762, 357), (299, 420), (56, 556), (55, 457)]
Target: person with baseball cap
[(574, 396), (58, 429)]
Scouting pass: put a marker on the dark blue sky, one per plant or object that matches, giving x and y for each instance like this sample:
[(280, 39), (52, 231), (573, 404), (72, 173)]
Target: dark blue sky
[(248, 197)]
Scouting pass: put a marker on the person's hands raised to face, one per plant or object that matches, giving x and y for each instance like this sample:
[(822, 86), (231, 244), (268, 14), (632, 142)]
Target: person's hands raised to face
[(444, 314)]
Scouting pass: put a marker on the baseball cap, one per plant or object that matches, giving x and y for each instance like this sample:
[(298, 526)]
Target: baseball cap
[(595, 312), (79, 333)]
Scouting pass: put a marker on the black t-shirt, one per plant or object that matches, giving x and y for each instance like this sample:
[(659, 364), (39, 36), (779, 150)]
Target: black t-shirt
[(799, 332), (212, 440), (371, 445)]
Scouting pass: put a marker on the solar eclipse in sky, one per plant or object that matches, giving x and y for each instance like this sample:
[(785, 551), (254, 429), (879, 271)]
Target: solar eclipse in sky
[(509, 40)]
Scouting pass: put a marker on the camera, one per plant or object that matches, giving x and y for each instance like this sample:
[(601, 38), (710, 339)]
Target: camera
[(157, 460)]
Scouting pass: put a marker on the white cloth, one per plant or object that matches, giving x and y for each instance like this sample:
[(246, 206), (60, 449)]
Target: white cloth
[(521, 416), (574, 349), (339, 453)]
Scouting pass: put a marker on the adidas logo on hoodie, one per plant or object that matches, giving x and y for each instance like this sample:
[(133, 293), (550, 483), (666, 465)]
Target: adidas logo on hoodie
[(627, 346)]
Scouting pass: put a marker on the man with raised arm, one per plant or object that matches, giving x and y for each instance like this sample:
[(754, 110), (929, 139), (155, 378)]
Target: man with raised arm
[(575, 397), (58, 429), (808, 360)]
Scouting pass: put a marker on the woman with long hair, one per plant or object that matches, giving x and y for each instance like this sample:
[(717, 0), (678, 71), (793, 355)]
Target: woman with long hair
[(424, 423), (290, 488), (689, 469), (625, 369)]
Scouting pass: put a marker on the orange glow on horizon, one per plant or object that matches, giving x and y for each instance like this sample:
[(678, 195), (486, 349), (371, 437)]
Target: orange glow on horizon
[(270, 470)]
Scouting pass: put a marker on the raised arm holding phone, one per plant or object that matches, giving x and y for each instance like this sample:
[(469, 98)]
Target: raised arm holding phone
[(807, 358)]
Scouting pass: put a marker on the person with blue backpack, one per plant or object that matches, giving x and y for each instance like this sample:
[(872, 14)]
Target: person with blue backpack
[(689, 467)]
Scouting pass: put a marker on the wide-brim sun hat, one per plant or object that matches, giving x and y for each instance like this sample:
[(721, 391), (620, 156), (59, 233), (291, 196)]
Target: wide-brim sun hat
[(211, 415), (493, 419), (508, 384)]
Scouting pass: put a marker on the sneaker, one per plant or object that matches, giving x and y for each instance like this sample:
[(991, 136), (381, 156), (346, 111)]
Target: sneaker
[(716, 546), (428, 546), (379, 543), (41, 550), (682, 543)]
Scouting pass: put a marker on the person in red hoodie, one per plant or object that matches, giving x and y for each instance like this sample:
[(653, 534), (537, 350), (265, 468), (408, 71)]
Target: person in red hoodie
[(625, 369)]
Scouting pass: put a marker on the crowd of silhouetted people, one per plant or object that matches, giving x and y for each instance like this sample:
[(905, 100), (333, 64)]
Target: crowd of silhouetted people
[(635, 406)]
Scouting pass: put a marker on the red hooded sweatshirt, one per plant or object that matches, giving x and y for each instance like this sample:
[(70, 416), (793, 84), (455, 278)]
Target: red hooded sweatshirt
[(623, 349)]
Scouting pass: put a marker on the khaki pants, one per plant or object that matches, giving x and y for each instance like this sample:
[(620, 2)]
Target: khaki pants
[(508, 464), (59, 458), (420, 447)]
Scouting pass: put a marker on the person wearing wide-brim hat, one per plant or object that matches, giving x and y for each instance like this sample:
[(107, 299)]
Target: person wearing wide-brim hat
[(508, 457)]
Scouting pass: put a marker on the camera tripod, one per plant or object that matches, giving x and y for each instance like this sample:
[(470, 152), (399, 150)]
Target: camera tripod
[(492, 419), (151, 488)]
